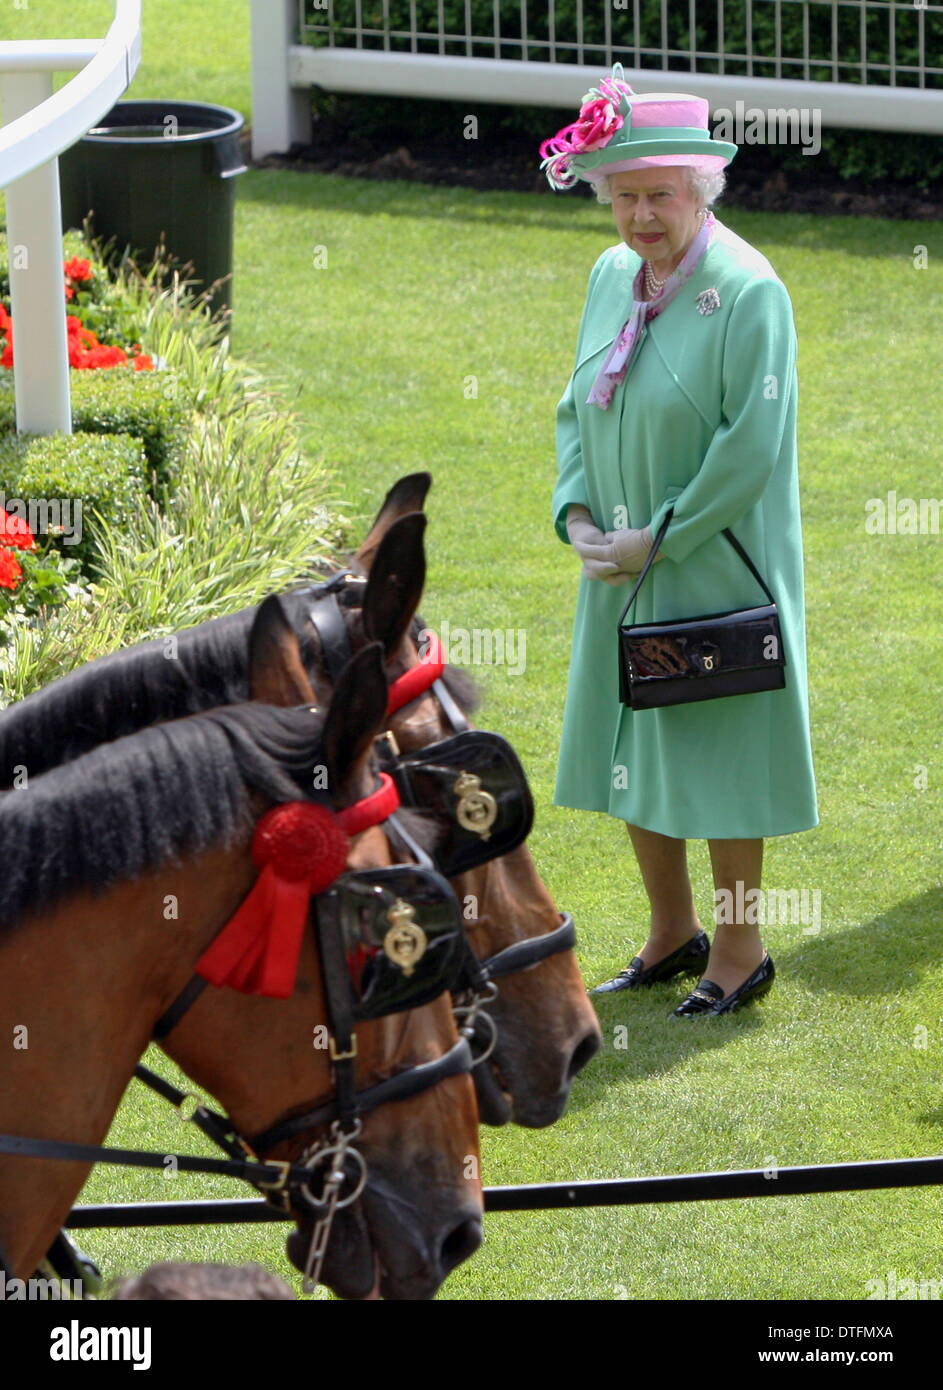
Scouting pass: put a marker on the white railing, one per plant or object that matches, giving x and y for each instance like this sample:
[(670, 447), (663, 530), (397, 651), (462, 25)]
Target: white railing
[(38, 125), (759, 53)]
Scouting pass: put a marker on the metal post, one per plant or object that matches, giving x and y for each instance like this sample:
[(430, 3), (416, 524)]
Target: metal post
[(37, 292)]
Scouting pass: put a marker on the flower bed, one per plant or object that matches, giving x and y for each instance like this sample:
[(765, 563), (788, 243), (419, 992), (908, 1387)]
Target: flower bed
[(197, 499), (83, 287)]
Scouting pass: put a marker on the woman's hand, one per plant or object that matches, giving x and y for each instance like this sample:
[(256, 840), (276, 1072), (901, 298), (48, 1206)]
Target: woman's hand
[(592, 545), (614, 556), (629, 549), (585, 536)]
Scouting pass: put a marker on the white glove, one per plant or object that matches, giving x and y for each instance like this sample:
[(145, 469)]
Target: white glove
[(614, 556), (629, 549), (591, 544), (585, 536)]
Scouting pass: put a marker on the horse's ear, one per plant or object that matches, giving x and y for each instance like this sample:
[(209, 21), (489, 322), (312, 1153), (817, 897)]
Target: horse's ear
[(357, 714), (276, 673), (408, 495), (396, 581)]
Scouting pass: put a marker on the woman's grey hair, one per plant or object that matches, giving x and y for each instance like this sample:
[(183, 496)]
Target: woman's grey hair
[(706, 188)]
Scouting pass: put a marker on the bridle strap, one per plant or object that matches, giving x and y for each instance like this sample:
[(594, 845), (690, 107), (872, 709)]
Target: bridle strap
[(370, 810), (328, 621), (215, 1126), (524, 954), (450, 707), (404, 1085), (416, 680), (345, 1105), (260, 1174), (172, 1016)]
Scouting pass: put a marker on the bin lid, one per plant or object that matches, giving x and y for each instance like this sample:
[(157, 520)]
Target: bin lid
[(165, 122)]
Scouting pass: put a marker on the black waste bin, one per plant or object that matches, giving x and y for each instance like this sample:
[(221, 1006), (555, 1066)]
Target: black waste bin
[(160, 168)]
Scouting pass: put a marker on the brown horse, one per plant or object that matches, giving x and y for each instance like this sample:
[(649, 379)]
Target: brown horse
[(120, 870), (547, 1027)]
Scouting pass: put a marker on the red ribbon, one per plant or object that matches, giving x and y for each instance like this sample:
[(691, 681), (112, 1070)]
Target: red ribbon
[(301, 849), (418, 679)]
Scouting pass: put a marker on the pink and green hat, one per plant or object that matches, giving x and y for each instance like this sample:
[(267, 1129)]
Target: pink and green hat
[(619, 130)]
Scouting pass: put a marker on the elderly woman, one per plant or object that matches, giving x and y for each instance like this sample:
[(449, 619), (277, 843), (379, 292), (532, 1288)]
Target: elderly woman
[(682, 403)]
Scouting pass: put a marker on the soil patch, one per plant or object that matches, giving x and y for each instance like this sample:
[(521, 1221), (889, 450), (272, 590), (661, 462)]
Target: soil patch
[(756, 180)]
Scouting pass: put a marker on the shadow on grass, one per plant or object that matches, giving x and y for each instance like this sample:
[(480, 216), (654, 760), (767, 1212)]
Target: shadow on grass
[(885, 955), (641, 1041)]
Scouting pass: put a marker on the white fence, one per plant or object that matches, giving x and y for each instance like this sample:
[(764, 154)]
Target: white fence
[(758, 52), (38, 126)]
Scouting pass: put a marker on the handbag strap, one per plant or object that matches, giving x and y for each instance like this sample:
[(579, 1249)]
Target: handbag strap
[(654, 551)]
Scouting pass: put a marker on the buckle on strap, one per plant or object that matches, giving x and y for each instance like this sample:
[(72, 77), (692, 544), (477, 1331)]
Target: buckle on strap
[(343, 1056), (282, 1167)]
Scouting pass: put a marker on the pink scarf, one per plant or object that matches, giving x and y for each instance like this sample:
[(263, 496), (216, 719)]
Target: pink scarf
[(629, 338)]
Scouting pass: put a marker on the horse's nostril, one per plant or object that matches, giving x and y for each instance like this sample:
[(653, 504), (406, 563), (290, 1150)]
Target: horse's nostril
[(584, 1052), (460, 1243)]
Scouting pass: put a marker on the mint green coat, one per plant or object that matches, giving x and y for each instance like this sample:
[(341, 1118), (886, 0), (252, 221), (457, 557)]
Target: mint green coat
[(705, 421)]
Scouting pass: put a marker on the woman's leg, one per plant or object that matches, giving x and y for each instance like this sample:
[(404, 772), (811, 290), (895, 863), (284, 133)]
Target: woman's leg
[(664, 868), (736, 950)]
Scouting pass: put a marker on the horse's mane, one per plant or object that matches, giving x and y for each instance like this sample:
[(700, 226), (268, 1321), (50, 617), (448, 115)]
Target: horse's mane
[(166, 678), (152, 798)]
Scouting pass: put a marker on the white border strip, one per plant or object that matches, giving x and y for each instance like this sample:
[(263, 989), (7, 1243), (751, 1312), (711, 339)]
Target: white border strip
[(912, 109)]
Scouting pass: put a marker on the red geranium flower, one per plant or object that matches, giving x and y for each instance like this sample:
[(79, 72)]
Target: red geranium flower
[(77, 269), (83, 347), (15, 533), (11, 571)]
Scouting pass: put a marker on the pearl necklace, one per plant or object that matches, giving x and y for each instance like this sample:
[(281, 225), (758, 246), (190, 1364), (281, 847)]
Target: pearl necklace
[(652, 282)]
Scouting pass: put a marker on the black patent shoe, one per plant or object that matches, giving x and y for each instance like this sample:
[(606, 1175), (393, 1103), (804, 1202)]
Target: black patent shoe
[(689, 959), (708, 1000)]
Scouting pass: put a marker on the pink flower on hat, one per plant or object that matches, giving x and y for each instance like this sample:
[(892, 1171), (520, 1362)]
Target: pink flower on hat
[(599, 119)]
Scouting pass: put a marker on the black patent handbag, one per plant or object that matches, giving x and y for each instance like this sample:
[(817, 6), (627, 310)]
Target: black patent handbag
[(689, 659)]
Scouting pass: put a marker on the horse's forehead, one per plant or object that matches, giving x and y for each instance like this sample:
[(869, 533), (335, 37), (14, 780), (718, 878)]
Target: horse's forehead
[(370, 850)]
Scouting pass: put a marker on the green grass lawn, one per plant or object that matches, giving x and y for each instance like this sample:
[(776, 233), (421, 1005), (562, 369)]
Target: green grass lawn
[(439, 334), (191, 50)]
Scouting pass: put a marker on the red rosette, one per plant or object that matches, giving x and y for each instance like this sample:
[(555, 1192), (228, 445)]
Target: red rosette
[(303, 843), (300, 849)]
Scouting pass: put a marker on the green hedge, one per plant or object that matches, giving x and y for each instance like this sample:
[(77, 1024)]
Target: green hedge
[(104, 473), (119, 400)]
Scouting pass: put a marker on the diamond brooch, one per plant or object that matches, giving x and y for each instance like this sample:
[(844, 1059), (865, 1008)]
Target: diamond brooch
[(707, 301)]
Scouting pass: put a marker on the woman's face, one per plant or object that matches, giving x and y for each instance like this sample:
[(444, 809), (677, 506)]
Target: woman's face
[(655, 211)]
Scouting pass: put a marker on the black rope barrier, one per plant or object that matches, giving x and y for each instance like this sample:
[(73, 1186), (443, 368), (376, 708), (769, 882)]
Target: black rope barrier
[(615, 1192)]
